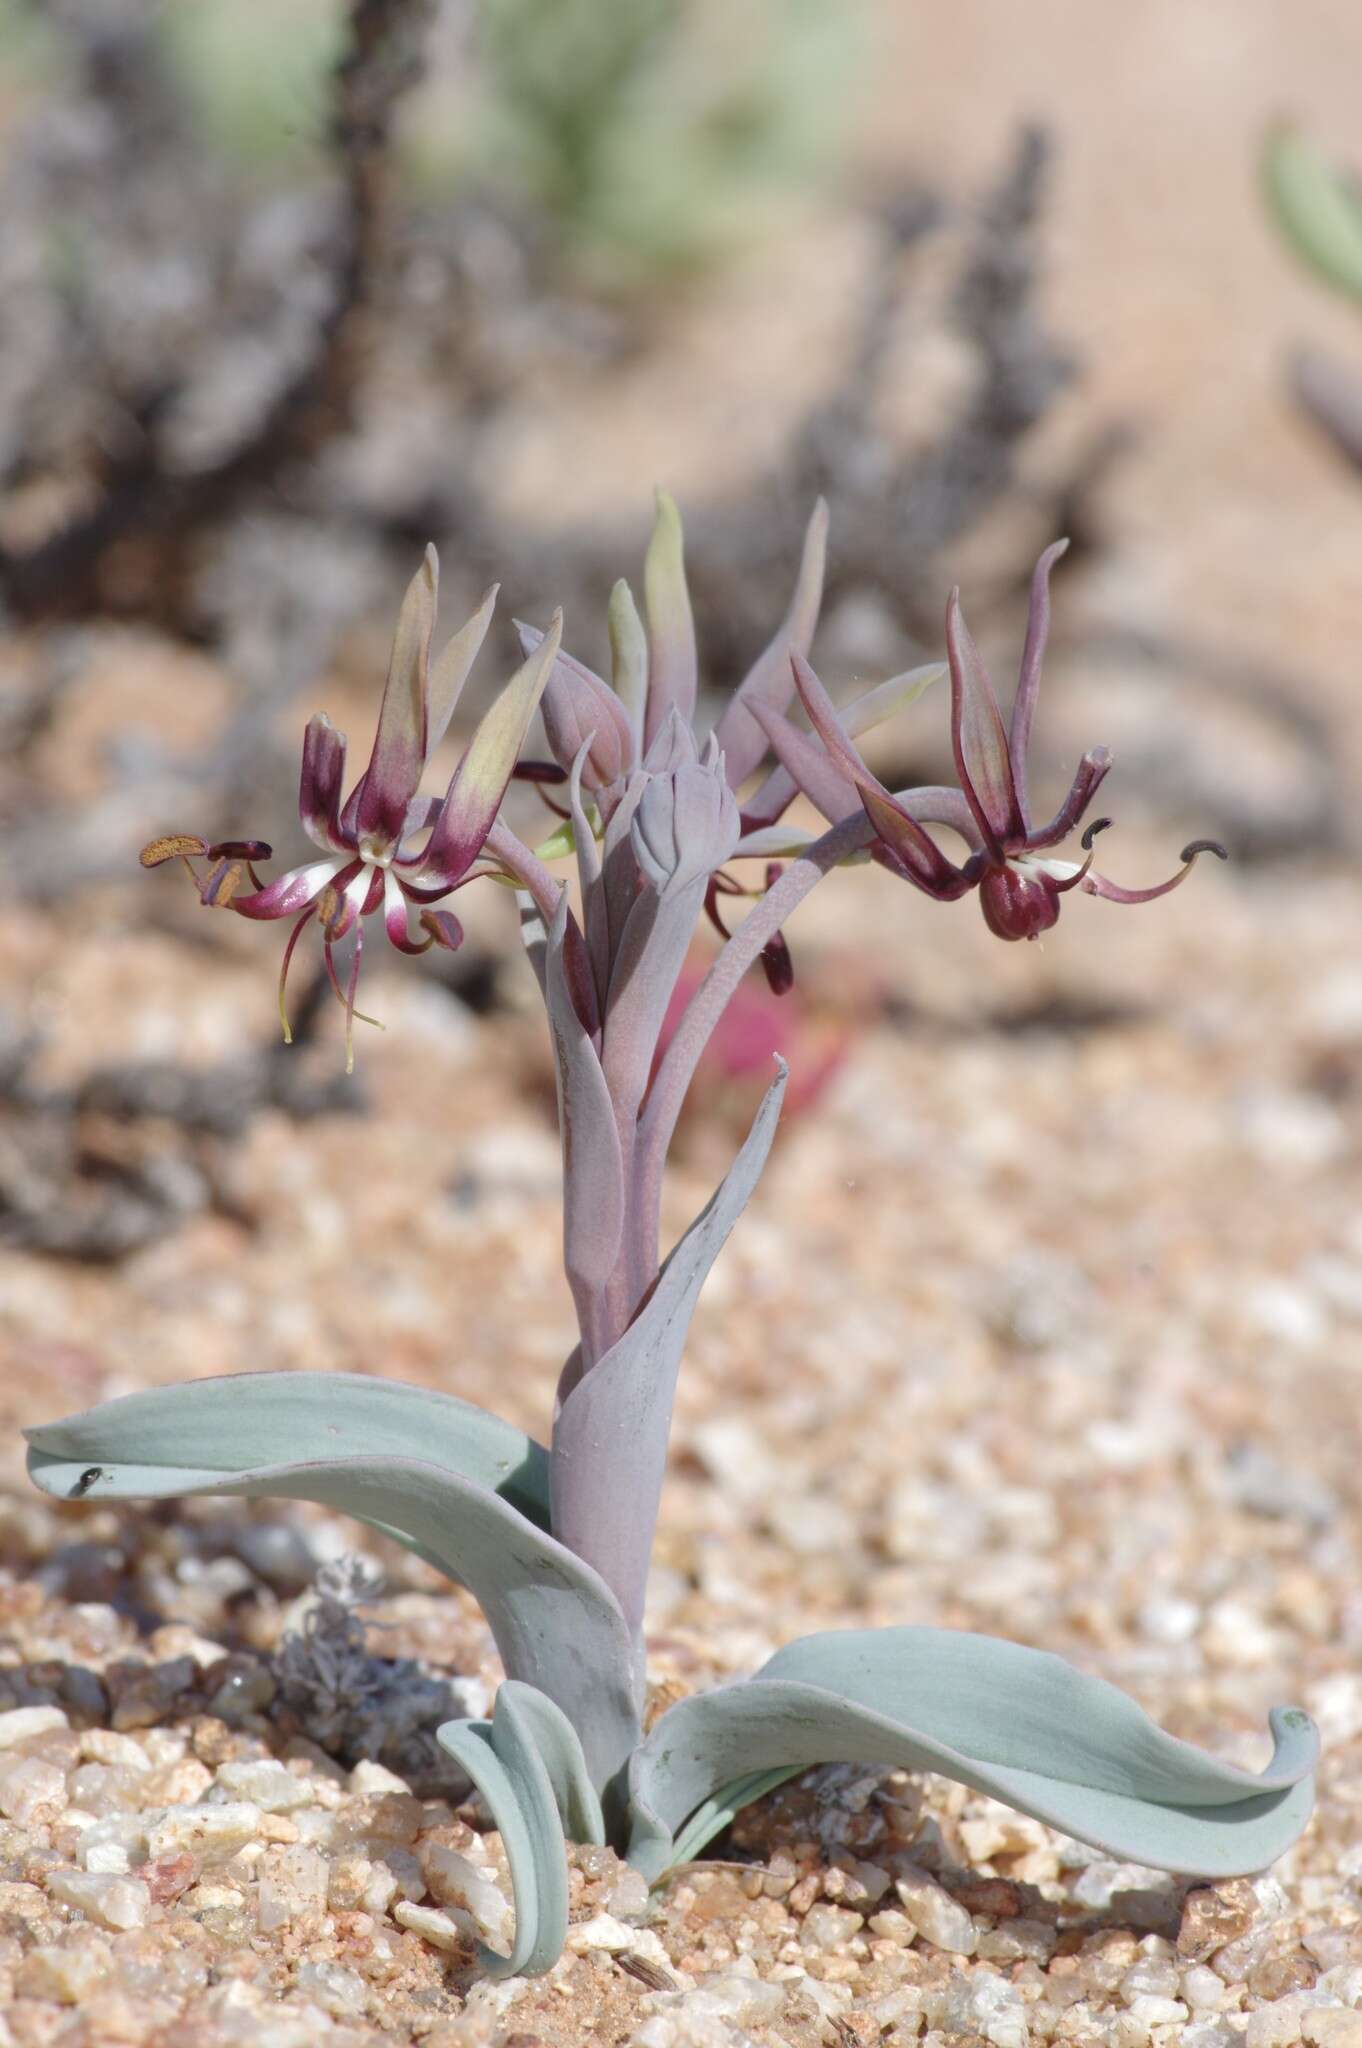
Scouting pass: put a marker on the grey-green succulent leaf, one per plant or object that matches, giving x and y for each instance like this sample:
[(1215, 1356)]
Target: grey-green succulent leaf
[(1019, 1724), (522, 1763), (610, 1434), (1317, 206), (579, 1808), (169, 1439), (555, 1622)]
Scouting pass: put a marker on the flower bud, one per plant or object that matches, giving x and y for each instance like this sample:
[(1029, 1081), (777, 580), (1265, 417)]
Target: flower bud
[(686, 825), (576, 706)]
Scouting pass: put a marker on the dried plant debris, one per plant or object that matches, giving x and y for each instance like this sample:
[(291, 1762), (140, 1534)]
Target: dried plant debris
[(172, 427), (186, 356), (899, 507), (101, 1169)]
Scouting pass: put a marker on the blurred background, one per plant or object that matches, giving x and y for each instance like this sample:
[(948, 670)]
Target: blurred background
[(1049, 1319)]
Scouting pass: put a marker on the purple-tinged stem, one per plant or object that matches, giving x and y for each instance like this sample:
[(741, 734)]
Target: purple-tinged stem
[(707, 1005), (526, 867), (544, 886)]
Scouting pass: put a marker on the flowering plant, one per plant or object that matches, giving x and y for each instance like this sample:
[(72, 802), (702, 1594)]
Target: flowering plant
[(555, 1543)]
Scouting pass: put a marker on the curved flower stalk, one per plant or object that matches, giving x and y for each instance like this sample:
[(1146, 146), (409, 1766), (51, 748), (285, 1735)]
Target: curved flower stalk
[(554, 1543), (372, 860)]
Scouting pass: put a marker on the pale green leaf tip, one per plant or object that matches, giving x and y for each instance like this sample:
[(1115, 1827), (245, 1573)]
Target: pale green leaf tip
[(1315, 206), (559, 845), (668, 537)]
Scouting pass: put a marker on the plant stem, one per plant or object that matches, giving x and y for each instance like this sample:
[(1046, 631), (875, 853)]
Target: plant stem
[(707, 1005)]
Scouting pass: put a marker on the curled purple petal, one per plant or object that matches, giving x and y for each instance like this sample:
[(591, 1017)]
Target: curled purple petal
[(920, 856), (319, 788), (395, 918), (289, 893), (441, 927), (978, 739), (1091, 771)]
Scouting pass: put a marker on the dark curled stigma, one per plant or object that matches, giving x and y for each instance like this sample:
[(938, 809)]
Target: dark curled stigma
[(86, 1481), (1204, 846)]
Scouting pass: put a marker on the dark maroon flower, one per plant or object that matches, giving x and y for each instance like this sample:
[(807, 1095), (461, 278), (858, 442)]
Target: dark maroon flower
[(1019, 883), (386, 848)]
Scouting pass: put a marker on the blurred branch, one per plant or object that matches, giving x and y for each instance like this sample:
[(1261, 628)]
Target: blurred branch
[(898, 508), (142, 500), (1331, 393), (92, 1172)]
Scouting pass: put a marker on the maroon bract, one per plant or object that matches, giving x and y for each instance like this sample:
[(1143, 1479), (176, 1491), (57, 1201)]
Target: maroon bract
[(375, 854)]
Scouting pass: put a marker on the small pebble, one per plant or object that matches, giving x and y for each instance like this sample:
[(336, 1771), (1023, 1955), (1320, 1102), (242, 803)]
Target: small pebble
[(937, 1917), (266, 1784), (440, 1929), (828, 1927), (68, 1975), (115, 1902), (31, 1792), (213, 1833), (293, 1883), (453, 1880), (21, 1723), (1214, 1915)]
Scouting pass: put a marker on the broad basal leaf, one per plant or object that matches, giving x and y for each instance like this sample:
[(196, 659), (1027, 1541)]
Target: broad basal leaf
[(170, 1440), (1019, 1724), (520, 1761)]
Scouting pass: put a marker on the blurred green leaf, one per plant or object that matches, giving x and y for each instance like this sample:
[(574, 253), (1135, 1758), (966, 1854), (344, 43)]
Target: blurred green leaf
[(1318, 207), (256, 76)]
